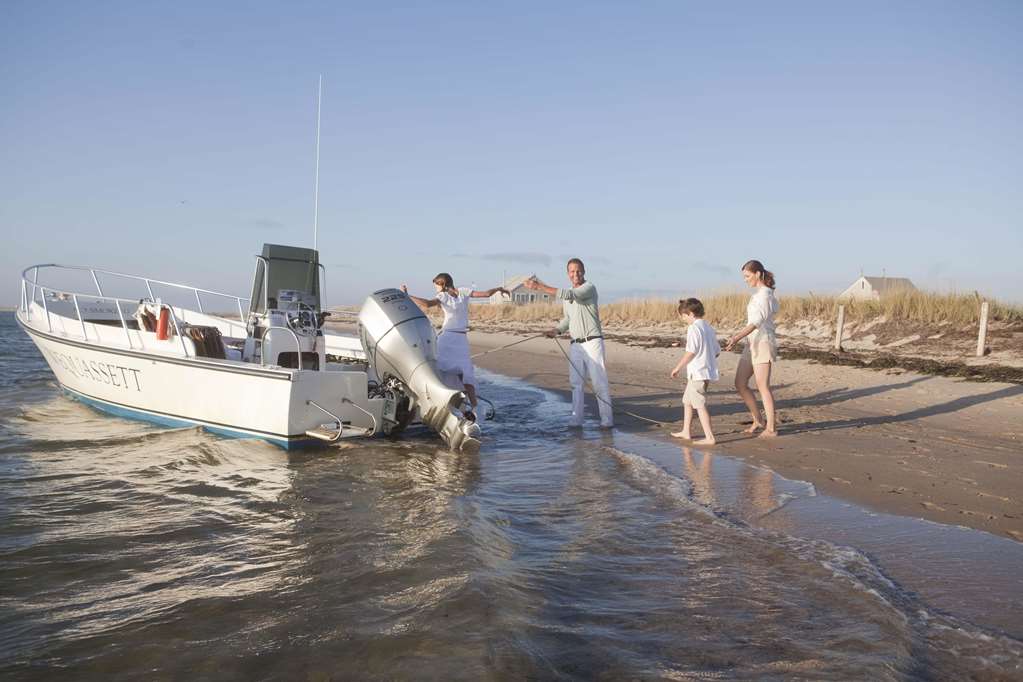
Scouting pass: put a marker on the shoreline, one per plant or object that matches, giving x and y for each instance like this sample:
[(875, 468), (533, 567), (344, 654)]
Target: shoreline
[(1004, 365), (896, 441)]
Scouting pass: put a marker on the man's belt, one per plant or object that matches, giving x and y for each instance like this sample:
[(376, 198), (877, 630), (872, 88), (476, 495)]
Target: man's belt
[(588, 338)]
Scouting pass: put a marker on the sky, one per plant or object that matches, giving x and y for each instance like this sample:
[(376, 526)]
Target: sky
[(664, 143)]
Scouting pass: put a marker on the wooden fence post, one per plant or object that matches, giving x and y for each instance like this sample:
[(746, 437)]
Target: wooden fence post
[(841, 326), (982, 335)]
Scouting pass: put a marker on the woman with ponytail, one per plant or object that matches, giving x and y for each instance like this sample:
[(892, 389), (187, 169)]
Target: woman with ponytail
[(761, 349), (452, 343)]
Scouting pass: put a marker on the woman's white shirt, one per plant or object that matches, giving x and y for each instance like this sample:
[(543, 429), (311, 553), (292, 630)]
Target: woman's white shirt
[(762, 308), (456, 310)]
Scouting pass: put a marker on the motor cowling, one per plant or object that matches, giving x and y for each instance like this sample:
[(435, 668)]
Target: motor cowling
[(400, 342)]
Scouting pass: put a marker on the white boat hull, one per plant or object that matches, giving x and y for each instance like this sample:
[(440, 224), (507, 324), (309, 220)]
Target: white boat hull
[(231, 398)]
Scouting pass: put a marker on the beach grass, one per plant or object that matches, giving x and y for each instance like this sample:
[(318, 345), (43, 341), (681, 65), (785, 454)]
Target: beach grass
[(730, 308)]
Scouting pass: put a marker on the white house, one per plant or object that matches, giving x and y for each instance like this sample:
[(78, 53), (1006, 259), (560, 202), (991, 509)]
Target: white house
[(520, 295), (873, 288)]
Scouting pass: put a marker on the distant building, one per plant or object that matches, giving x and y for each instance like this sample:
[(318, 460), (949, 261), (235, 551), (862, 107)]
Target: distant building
[(520, 295), (873, 288)]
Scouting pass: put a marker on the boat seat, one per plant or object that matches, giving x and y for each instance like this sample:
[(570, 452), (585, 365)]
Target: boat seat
[(289, 359), (208, 342)]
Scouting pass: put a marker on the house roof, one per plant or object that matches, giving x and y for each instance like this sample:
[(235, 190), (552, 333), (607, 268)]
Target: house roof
[(513, 283), (883, 284)]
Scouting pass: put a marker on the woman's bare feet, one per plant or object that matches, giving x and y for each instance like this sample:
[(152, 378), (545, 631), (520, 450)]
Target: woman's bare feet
[(769, 434), (756, 426), (684, 435), (709, 440)]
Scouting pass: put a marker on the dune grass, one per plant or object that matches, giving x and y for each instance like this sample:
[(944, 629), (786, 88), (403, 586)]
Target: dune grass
[(730, 308)]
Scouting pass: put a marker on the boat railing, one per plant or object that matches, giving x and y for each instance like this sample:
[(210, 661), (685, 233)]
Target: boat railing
[(298, 344), (42, 291), (148, 282), (31, 289)]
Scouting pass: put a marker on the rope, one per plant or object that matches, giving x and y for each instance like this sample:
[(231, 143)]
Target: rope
[(493, 410), (582, 374), (613, 410), (514, 343)]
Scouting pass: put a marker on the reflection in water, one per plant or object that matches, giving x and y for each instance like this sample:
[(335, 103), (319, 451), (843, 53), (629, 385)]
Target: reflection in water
[(758, 486), (752, 496), (699, 469)]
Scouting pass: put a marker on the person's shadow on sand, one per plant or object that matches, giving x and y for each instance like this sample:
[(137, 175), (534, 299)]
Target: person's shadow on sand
[(845, 394), (647, 405), (642, 404), (920, 413)]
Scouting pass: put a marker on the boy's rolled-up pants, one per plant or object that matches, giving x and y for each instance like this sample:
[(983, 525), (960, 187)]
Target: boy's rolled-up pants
[(588, 357)]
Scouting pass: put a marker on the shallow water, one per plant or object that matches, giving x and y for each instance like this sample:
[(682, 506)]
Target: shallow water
[(134, 551)]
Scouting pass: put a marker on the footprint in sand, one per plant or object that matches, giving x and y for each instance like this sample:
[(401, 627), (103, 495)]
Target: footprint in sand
[(897, 490), (931, 505)]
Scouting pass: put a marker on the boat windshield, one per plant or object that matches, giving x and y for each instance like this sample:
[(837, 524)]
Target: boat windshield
[(284, 268)]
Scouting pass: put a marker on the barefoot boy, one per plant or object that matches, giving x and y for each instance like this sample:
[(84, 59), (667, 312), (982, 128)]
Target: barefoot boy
[(701, 364)]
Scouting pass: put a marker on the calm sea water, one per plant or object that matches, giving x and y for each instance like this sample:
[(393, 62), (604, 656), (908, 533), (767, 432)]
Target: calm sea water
[(131, 551)]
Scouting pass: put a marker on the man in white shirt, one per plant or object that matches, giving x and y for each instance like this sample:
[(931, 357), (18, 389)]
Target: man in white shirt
[(701, 364), (586, 353)]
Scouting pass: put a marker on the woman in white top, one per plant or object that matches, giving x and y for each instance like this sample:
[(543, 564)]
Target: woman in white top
[(761, 347), (452, 343)]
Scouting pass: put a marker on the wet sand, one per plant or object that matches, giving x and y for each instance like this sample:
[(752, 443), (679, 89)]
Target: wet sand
[(917, 445)]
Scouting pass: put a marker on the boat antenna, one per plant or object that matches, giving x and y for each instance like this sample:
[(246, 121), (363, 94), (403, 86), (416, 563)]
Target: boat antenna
[(316, 186)]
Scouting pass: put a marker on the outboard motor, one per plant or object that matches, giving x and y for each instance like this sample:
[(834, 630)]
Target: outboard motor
[(401, 345)]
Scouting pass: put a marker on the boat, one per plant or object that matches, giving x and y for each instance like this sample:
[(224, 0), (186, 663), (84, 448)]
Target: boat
[(170, 353)]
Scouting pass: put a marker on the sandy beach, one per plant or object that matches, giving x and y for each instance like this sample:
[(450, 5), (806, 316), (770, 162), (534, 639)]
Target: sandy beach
[(896, 441)]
